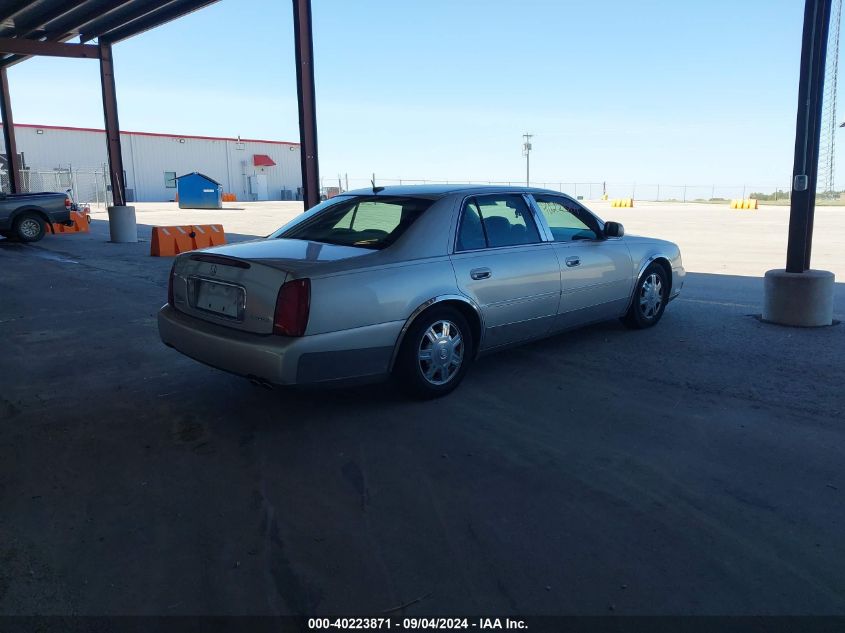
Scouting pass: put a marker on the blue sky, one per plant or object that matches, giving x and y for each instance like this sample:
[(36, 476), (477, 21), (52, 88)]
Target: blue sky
[(653, 91)]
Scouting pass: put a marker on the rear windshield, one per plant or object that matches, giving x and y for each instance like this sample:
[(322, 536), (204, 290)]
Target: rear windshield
[(363, 221)]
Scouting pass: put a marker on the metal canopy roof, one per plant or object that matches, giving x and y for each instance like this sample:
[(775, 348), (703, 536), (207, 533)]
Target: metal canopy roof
[(45, 27), (64, 20)]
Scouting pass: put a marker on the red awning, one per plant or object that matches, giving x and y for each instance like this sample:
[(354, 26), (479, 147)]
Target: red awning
[(262, 160)]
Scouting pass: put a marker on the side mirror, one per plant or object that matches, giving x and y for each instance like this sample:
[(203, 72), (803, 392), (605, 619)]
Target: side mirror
[(613, 229)]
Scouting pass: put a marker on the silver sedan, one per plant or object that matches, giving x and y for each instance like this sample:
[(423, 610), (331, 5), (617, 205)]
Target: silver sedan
[(413, 282)]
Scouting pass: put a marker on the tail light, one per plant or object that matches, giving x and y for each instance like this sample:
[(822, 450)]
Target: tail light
[(67, 203), (292, 307), (170, 284)]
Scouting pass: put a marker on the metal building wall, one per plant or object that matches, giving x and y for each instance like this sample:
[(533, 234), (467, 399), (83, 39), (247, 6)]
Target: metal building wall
[(284, 175), (147, 157), (56, 149), (154, 155)]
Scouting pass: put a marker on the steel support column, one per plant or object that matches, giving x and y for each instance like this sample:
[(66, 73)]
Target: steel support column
[(807, 134), (112, 125), (9, 134), (304, 44)]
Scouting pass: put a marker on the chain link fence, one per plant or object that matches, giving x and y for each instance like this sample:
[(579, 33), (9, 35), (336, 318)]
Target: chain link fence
[(91, 186), (696, 193), (591, 190), (88, 186)]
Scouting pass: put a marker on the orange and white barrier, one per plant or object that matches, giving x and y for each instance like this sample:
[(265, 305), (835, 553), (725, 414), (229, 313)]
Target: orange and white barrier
[(168, 241), (81, 224), (205, 235)]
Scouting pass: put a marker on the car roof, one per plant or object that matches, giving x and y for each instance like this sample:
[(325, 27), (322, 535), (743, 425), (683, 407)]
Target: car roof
[(438, 191)]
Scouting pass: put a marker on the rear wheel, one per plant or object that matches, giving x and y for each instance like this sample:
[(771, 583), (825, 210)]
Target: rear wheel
[(649, 298), (436, 353), (29, 227)]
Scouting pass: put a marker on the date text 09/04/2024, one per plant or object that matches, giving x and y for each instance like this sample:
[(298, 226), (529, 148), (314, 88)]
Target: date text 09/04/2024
[(315, 624)]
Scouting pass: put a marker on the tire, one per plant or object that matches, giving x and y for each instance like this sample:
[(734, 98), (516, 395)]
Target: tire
[(435, 332), (650, 297), (29, 227)]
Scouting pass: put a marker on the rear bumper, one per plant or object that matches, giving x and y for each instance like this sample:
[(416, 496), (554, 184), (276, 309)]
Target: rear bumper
[(60, 217), (349, 355)]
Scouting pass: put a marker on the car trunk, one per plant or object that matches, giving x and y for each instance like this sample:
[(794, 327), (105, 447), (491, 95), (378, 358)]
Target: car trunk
[(237, 285)]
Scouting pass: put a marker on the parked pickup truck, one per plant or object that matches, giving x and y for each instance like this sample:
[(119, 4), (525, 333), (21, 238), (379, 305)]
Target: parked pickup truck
[(25, 216)]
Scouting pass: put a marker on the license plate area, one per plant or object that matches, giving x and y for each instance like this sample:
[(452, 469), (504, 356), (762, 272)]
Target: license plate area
[(219, 298)]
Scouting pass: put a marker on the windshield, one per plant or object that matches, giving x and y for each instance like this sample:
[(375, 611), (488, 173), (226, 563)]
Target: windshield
[(362, 221)]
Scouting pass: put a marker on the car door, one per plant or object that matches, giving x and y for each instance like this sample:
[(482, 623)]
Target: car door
[(596, 272), (509, 270)]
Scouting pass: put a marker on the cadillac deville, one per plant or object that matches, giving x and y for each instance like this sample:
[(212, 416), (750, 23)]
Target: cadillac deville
[(411, 282)]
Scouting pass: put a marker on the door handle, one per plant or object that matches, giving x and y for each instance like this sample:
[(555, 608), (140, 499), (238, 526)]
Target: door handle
[(573, 261), (480, 273)]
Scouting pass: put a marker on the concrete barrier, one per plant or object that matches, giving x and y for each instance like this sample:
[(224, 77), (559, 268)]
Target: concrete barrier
[(205, 235), (81, 224), (168, 241), (744, 203)]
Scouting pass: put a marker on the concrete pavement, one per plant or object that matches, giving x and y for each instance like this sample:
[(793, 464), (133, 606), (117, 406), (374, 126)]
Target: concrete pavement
[(693, 468)]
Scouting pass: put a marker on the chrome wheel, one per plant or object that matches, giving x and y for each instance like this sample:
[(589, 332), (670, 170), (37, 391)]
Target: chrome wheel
[(651, 296), (29, 228), (440, 352)]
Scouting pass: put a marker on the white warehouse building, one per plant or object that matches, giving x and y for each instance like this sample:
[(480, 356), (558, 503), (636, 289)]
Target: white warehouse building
[(56, 156)]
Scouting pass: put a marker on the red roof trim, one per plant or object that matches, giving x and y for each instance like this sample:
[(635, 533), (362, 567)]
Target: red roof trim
[(203, 138)]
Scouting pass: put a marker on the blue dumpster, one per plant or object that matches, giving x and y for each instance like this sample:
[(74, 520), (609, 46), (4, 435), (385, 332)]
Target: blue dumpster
[(198, 191)]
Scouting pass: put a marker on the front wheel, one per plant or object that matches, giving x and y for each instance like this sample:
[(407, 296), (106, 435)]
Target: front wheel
[(436, 353), (650, 298), (29, 228)]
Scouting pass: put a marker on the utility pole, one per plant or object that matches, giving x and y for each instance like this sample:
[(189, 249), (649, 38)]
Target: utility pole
[(526, 151)]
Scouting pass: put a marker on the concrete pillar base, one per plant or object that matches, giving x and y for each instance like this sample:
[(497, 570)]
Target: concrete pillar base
[(798, 299), (122, 225)]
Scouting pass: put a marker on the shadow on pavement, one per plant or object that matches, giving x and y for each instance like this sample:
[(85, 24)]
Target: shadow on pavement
[(695, 467)]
